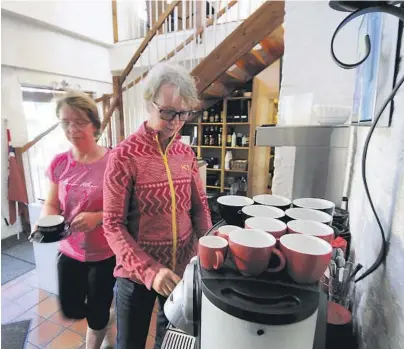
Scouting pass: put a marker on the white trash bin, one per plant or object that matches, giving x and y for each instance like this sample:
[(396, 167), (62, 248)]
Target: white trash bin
[(45, 256)]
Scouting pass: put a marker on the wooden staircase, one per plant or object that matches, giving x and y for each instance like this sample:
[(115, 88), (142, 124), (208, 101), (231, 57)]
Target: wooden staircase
[(252, 47)]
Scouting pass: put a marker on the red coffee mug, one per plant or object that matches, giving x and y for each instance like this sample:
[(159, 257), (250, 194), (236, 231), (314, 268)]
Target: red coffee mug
[(313, 228), (225, 230), (212, 251), (307, 257), (252, 249), (272, 226)]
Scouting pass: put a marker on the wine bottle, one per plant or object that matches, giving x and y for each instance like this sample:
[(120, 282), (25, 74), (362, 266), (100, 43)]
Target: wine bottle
[(205, 117), (219, 137), (212, 136), (212, 115), (228, 138)]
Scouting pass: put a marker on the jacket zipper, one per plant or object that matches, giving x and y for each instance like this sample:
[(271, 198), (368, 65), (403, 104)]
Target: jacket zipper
[(173, 198)]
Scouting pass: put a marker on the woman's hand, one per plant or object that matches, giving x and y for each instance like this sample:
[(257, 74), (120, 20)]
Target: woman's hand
[(86, 221), (165, 282)]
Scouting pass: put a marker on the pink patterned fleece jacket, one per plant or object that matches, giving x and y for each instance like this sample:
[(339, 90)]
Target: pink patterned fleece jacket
[(155, 206)]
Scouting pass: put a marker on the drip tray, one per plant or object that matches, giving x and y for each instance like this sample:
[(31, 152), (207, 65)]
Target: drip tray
[(177, 339)]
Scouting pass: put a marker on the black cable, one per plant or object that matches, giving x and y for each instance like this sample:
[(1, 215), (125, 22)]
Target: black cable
[(383, 252), (398, 12)]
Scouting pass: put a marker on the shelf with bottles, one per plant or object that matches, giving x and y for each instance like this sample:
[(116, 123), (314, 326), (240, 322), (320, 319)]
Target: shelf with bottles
[(212, 136), (236, 171), (213, 187), (238, 111)]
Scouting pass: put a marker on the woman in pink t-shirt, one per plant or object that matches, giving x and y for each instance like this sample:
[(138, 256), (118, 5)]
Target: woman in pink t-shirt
[(86, 263)]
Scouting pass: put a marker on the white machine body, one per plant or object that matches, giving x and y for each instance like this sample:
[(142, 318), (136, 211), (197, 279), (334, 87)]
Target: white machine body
[(221, 330)]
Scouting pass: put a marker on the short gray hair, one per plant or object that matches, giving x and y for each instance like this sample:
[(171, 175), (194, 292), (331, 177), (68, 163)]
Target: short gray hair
[(171, 74)]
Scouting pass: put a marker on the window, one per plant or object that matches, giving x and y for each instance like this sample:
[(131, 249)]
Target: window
[(39, 109)]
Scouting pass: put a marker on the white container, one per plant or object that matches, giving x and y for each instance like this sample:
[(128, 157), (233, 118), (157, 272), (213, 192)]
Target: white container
[(227, 160), (234, 139), (45, 256)]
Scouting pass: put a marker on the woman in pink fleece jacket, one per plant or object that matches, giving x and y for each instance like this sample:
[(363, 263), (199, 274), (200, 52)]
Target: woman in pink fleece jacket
[(155, 205)]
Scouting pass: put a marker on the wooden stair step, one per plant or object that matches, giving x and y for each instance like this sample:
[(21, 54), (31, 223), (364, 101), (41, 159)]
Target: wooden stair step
[(267, 18)]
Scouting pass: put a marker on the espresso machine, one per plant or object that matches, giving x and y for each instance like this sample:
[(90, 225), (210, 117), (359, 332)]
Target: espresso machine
[(222, 310)]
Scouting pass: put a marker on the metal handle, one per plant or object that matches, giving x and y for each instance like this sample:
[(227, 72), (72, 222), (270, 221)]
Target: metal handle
[(287, 300), (32, 238)]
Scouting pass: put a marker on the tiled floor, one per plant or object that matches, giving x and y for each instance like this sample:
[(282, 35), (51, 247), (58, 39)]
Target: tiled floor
[(22, 299)]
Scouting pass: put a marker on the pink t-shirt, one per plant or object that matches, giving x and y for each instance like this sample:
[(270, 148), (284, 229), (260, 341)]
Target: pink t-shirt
[(80, 190)]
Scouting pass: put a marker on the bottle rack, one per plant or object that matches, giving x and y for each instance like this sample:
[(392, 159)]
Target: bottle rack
[(239, 152)]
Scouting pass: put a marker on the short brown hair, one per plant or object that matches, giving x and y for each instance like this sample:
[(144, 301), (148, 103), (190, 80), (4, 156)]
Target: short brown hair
[(80, 101)]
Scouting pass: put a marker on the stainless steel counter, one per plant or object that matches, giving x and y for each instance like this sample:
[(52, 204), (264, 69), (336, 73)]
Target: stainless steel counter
[(303, 136)]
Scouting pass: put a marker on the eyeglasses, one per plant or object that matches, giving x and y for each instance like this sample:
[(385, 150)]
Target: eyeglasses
[(78, 124), (169, 114)]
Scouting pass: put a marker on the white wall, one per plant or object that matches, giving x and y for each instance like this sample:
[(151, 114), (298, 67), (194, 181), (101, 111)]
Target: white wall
[(309, 69), (26, 45), (380, 297), (38, 55), (92, 19), (379, 300)]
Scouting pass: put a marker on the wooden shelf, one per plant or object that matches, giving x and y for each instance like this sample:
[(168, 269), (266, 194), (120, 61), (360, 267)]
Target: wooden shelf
[(194, 146), (238, 98), (212, 187), (210, 147), (213, 169), (237, 123), (191, 124), (236, 171), (238, 148), (212, 123)]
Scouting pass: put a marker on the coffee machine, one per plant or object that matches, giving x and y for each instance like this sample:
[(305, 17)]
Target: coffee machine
[(223, 309)]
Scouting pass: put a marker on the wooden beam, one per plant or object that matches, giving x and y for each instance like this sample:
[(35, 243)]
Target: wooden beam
[(107, 117), (255, 28), (120, 117), (115, 21), (100, 99), (30, 144), (105, 108), (181, 46), (147, 39)]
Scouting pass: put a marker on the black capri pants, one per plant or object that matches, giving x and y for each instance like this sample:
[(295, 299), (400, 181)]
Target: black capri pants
[(86, 290)]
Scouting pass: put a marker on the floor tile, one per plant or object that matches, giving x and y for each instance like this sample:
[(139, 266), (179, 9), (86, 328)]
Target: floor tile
[(15, 291), (36, 320), (32, 281), (44, 333), (48, 307), (66, 340), (58, 318), (10, 311), (79, 327), (33, 297)]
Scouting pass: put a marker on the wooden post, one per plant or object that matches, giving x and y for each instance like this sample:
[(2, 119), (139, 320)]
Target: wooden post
[(25, 222), (118, 94), (105, 108), (115, 20)]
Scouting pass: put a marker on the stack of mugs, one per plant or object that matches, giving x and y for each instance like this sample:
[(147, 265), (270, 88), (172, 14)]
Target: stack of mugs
[(257, 229)]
